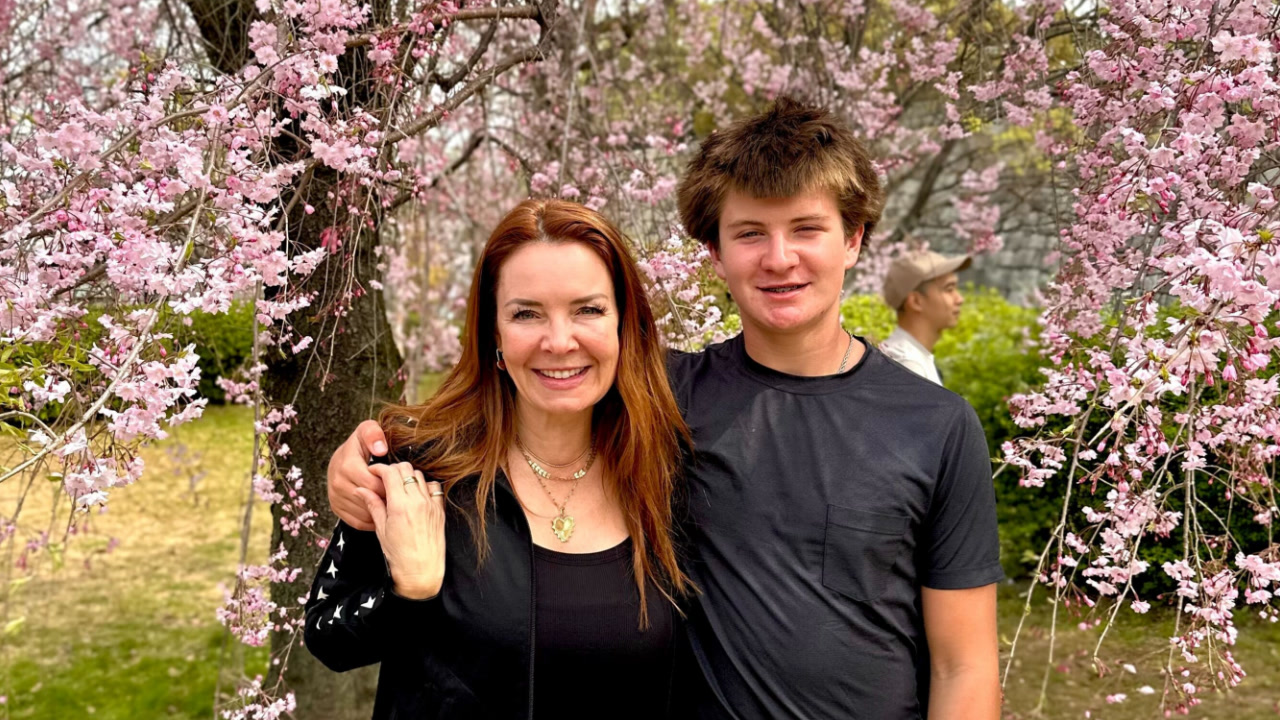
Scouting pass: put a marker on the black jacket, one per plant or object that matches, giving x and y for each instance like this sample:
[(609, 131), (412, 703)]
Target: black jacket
[(466, 653)]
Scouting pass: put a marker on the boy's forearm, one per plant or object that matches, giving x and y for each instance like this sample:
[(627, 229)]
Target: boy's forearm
[(964, 695)]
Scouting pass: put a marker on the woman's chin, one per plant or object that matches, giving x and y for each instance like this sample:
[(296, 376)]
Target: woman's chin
[(557, 408)]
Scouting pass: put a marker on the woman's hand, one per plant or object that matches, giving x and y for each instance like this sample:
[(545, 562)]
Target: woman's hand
[(410, 527)]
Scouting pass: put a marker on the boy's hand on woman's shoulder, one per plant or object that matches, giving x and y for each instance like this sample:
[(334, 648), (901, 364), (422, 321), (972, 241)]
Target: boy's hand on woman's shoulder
[(349, 470)]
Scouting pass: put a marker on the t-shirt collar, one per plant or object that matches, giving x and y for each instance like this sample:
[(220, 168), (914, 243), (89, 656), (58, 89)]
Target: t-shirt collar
[(798, 384)]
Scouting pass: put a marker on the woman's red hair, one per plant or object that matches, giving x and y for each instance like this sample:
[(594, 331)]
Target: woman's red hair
[(466, 429)]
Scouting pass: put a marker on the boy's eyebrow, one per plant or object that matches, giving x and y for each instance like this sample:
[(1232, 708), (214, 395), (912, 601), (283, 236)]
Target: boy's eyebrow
[(801, 219)]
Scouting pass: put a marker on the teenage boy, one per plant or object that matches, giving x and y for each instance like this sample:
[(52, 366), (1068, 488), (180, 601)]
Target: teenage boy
[(924, 290), (842, 517)]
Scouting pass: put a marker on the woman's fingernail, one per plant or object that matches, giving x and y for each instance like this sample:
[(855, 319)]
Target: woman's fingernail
[(379, 448)]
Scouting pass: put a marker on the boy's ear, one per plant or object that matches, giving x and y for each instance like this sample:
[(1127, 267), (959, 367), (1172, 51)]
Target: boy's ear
[(853, 246), (716, 263)]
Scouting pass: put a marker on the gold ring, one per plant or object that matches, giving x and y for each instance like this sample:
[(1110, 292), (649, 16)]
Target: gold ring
[(436, 494), (410, 480)]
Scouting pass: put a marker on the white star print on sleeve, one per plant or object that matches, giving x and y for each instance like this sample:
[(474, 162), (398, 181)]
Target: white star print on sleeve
[(345, 626)]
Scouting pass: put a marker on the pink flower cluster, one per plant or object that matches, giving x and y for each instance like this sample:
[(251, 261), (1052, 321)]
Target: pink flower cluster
[(248, 611), (1159, 325)]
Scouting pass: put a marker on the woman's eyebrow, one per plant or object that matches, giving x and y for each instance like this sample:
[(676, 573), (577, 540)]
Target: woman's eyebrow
[(577, 301)]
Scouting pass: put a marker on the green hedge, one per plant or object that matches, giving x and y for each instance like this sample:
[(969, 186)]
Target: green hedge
[(224, 342)]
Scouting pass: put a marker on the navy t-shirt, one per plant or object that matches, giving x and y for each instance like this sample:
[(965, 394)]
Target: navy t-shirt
[(818, 508)]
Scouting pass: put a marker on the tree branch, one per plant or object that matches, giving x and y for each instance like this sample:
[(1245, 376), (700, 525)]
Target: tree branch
[(521, 12), (931, 175), (447, 83), (467, 151), (434, 117)]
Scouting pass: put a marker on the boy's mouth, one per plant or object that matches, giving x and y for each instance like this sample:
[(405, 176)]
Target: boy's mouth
[(780, 289)]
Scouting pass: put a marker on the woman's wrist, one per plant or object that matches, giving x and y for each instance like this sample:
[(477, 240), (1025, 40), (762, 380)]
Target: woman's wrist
[(415, 590)]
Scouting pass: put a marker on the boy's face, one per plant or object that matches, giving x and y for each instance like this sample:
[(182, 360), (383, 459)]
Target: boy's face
[(784, 259)]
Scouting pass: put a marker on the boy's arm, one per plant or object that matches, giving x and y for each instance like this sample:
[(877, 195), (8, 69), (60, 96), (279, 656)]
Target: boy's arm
[(960, 628), (353, 616), (349, 469), (959, 594)]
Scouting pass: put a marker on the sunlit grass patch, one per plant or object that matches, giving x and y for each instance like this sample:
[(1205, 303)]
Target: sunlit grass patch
[(123, 625)]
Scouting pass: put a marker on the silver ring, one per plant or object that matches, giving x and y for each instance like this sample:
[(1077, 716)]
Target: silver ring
[(410, 480), (436, 494)]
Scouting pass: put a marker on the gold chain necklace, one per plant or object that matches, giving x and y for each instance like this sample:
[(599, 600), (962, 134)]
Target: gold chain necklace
[(562, 524), (557, 466)]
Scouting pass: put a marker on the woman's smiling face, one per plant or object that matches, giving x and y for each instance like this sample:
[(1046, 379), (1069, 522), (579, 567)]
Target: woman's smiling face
[(557, 327)]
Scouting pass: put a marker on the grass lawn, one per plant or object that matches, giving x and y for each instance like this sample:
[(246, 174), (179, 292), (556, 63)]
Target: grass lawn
[(1074, 687), (133, 634)]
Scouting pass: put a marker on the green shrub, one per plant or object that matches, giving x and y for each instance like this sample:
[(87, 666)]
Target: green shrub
[(224, 341), (868, 317)]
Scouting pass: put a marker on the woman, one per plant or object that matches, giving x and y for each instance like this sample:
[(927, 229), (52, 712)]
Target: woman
[(523, 563)]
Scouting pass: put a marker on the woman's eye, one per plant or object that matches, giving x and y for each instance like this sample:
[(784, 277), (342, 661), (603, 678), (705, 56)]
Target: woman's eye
[(523, 315), (591, 310)]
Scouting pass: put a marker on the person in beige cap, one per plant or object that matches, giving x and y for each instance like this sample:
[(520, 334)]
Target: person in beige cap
[(924, 290)]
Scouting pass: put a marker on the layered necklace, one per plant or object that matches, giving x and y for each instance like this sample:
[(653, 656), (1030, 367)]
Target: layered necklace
[(562, 524)]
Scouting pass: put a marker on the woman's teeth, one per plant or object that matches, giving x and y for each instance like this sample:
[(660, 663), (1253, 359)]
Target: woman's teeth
[(561, 374)]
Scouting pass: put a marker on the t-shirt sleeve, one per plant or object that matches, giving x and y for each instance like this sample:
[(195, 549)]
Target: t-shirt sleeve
[(962, 540)]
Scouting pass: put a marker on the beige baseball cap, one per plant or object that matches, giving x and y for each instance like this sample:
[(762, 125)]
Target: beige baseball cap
[(908, 272)]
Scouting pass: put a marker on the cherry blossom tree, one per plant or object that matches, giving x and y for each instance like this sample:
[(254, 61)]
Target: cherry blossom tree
[(341, 162), (954, 101), (1158, 416), (161, 159)]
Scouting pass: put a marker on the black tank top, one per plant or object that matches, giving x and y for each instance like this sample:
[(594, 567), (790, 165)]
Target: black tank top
[(591, 658)]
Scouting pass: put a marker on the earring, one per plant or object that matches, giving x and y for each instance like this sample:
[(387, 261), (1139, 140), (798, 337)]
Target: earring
[(501, 365)]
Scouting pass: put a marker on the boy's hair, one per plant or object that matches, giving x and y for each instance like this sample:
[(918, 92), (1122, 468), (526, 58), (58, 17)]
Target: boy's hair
[(789, 149)]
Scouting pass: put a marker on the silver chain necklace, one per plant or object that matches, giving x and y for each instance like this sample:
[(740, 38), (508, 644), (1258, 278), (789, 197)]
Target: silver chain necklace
[(847, 351)]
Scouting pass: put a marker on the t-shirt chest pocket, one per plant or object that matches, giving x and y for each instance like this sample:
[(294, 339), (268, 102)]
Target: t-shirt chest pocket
[(859, 549)]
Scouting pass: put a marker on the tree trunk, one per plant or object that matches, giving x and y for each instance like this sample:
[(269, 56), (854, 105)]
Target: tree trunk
[(351, 373), (351, 370)]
